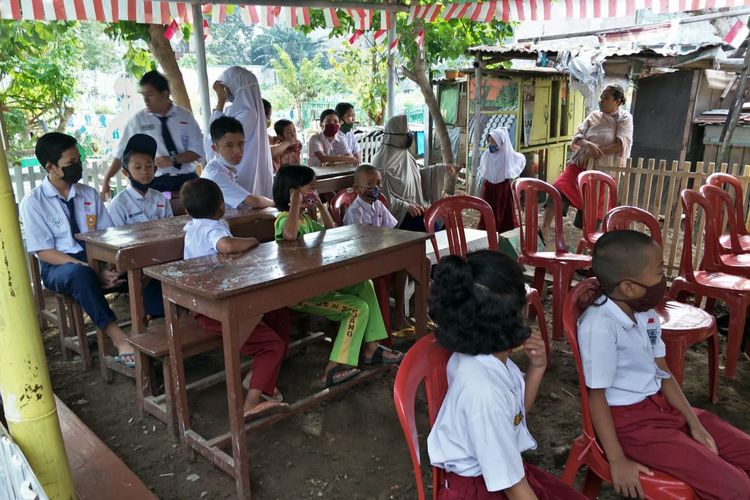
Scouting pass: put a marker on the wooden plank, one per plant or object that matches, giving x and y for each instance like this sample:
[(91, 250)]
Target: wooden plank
[(637, 184), (659, 200), (650, 170), (698, 238), (626, 183)]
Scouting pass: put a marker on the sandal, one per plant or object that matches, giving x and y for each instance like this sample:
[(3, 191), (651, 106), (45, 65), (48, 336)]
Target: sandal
[(120, 358), (277, 396), (265, 409), (378, 357), (331, 380), (404, 332)]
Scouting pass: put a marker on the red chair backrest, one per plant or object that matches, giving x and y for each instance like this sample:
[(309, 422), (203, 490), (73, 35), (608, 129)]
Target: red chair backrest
[(571, 313), (722, 202), (527, 188), (719, 179), (342, 200), (593, 187), (449, 210), (424, 362), (625, 217), (691, 200)]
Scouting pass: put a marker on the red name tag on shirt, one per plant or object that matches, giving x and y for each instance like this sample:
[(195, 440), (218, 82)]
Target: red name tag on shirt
[(650, 321), (159, 206), (87, 203)]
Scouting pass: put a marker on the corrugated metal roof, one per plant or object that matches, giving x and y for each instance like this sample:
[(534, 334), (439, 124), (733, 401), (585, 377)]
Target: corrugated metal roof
[(528, 50)]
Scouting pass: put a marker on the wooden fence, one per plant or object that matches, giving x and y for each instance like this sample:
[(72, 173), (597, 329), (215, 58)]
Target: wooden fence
[(656, 187)]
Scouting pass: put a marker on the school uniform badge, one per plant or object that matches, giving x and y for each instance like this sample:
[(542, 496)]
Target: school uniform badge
[(518, 419), (91, 222)]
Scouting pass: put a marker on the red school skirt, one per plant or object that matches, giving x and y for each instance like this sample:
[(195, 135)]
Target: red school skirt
[(500, 198), (567, 184)]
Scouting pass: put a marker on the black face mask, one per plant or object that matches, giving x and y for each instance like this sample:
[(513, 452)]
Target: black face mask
[(72, 173), (653, 296), (346, 127), (409, 140), (140, 187)]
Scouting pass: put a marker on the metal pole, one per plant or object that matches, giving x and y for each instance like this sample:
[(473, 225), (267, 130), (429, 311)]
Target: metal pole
[(477, 126), (428, 131), (727, 132), (200, 55), (25, 384), (391, 94)]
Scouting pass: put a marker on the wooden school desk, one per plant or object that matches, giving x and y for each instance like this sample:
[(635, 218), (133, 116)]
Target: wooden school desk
[(237, 290), (332, 179)]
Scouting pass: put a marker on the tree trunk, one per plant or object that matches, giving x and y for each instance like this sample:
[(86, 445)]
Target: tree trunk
[(63, 117), (163, 53), (3, 127)]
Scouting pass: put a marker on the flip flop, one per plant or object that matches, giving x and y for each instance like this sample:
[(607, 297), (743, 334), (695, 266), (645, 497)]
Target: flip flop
[(331, 380), (378, 357), (128, 364), (404, 332), (277, 396), (265, 409)]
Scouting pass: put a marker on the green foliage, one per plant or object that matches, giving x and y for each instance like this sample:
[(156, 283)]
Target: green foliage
[(39, 69), (231, 41), (303, 81), (363, 73), (138, 58), (98, 51)]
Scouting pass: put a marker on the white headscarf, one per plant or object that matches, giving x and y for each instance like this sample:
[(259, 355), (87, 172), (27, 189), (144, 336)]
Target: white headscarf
[(255, 171), (502, 165), (402, 183)]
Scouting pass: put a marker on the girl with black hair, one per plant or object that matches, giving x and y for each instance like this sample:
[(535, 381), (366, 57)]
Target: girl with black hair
[(480, 432), (356, 307)]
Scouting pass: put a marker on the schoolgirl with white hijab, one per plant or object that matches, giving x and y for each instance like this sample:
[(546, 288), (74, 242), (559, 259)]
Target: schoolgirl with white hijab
[(240, 87), (498, 166)]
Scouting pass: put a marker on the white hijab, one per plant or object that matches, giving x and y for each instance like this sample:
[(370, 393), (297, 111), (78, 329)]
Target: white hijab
[(502, 165), (402, 182), (255, 171)]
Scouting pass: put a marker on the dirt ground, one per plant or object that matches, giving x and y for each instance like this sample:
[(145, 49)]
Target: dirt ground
[(351, 447)]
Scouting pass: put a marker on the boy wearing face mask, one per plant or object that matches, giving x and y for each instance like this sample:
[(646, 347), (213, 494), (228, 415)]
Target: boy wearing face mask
[(329, 146), (139, 202), (367, 209), (228, 141), (641, 417), (52, 214), (347, 117)]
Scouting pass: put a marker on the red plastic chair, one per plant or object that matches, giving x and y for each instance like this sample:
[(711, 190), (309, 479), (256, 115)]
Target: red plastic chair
[(733, 260), (586, 449), (338, 205), (682, 325), (738, 236), (593, 186), (734, 291), (425, 361), (561, 263), (449, 211)]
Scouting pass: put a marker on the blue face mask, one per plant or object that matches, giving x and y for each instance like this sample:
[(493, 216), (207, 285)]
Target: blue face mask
[(371, 194), (493, 148)]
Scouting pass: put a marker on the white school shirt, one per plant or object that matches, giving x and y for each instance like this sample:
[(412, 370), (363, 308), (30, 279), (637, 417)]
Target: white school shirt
[(46, 219), (481, 426), (202, 236), (352, 146), (225, 177), (183, 128), (618, 355), (361, 212), (131, 207), (329, 147)]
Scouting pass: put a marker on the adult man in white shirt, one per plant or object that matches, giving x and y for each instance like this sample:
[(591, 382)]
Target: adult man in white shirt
[(178, 137)]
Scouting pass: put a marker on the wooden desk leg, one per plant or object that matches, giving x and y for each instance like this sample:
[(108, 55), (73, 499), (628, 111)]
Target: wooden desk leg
[(420, 275), (135, 290), (179, 382), (230, 332)]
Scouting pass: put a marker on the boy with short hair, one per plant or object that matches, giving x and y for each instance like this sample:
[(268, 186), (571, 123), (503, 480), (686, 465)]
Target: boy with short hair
[(641, 417), (208, 234), (228, 142), (52, 214), (328, 146), (367, 209), (139, 202)]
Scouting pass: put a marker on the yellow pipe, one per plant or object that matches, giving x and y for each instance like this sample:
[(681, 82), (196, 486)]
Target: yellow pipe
[(25, 384)]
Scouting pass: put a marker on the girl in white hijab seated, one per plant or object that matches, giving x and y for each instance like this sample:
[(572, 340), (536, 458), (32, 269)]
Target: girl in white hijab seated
[(498, 166), (240, 87), (402, 183)]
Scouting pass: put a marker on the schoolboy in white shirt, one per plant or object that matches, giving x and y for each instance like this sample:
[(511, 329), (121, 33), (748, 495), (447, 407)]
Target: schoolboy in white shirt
[(479, 434), (139, 202), (367, 209), (328, 146), (208, 234), (641, 417), (52, 214), (347, 117), (228, 141)]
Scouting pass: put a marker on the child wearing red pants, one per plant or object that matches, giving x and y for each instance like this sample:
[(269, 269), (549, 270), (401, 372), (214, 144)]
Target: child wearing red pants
[(480, 431), (640, 414), (208, 234)]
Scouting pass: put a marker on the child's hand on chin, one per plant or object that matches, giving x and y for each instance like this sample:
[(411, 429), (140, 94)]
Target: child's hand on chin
[(534, 349)]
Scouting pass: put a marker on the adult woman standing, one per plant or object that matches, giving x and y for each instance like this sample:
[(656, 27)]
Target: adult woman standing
[(240, 87), (605, 136)]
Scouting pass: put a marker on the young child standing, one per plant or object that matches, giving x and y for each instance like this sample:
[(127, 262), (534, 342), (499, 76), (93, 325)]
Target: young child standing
[(478, 304), (208, 234), (138, 202), (52, 214), (228, 142), (328, 146), (498, 166), (356, 307), (641, 417)]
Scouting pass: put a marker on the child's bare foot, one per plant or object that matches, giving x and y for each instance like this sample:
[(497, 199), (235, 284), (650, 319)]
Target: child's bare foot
[(264, 409), (376, 354)]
